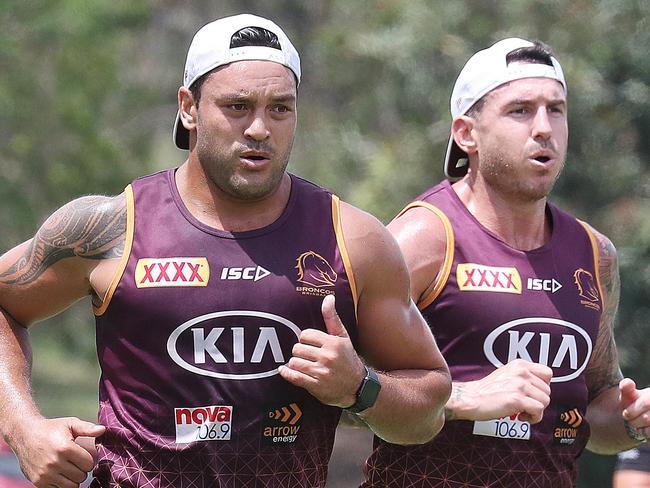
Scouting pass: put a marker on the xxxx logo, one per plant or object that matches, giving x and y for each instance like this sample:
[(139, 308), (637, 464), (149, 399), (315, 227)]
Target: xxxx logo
[(169, 272), (289, 414), (477, 277)]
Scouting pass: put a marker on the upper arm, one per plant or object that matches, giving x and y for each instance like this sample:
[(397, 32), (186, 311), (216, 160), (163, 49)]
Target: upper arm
[(45, 274), (603, 370), (422, 238), (392, 333)]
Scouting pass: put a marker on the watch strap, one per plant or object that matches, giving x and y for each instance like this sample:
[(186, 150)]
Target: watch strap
[(367, 393)]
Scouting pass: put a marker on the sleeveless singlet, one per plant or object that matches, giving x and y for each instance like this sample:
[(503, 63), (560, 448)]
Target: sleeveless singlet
[(496, 304), (196, 323)]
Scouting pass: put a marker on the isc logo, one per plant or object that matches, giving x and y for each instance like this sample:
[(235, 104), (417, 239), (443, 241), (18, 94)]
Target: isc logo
[(538, 284), (251, 346), (561, 345), (253, 273)]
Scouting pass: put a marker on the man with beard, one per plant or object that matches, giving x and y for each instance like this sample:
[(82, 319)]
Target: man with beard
[(217, 288), (521, 296)]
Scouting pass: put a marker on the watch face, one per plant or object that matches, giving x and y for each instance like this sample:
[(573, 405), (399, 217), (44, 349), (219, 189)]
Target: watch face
[(368, 392)]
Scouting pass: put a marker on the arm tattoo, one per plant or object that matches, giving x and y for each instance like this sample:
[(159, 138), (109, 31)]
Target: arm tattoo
[(91, 227), (603, 371), (457, 393)]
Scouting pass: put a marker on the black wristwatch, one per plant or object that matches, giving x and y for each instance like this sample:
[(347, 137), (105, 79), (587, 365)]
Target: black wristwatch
[(367, 393)]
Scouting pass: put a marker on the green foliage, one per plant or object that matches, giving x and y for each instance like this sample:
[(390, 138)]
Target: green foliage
[(62, 101)]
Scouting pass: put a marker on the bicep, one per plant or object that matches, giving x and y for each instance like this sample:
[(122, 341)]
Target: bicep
[(34, 287), (44, 275), (393, 335), (392, 332)]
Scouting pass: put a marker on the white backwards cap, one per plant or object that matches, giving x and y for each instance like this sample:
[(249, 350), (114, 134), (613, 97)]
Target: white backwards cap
[(483, 72), (210, 48)]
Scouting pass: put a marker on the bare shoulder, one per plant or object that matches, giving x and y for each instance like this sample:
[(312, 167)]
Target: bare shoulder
[(607, 269), (91, 227), (420, 231), (374, 254), (366, 237), (606, 248), (423, 239), (45, 274)]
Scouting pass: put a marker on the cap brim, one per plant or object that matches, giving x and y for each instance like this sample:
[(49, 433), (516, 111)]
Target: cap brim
[(456, 163), (180, 134)]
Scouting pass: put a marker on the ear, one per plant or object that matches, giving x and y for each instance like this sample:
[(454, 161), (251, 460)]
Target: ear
[(463, 131), (187, 108)]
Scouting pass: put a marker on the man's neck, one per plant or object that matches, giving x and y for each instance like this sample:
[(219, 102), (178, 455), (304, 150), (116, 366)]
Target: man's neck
[(521, 224), (218, 210)]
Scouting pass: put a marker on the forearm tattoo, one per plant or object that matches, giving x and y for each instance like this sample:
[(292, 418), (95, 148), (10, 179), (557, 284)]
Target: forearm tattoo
[(457, 394), (92, 227), (604, 371)]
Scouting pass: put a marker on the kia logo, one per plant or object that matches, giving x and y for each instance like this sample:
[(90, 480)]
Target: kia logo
[(258, 345), (567, 349)]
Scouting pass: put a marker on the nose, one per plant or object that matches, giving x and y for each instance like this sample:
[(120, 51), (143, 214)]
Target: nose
[(541, 124), (258, 129)]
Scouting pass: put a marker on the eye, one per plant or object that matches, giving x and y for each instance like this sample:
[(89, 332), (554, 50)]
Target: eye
[(281, 109), (519, 111), (237, 106)]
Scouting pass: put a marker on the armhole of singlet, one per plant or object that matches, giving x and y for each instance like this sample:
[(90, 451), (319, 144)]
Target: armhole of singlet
[(338, 230), (594, 248), (443, 276), (128, 241)]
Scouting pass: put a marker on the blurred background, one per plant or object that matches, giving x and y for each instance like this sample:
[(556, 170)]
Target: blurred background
[(88, 97)]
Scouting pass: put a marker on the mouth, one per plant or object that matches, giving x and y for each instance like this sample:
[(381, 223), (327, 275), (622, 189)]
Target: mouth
[(544, 157), (255, 158)]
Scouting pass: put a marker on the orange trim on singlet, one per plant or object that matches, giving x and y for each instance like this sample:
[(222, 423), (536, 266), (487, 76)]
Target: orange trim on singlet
[(347, 264), (128, 242), (594, 247), (449, 253)]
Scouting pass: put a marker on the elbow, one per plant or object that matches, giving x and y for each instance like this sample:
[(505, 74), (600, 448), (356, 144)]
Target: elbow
[(420, 433), (441, 397), (432, 420)]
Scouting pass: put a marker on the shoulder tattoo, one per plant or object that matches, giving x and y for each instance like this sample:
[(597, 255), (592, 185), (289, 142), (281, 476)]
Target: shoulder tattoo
[(92, 227)]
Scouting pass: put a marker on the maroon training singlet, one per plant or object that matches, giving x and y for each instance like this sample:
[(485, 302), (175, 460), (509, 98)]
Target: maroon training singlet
[(496, 304), (192, 333)]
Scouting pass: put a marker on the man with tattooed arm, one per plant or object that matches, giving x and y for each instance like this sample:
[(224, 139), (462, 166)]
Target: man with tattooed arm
[(520, 295), (233, 302)]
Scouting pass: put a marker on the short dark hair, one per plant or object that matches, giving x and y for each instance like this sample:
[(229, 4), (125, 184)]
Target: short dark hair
[(248, 36), (538, 53)]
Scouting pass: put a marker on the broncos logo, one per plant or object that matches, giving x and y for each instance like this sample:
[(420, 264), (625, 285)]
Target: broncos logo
[(314, 270), (586, 285)]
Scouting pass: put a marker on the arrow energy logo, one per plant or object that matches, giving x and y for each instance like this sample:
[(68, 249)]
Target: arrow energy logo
[(282, 424), (566, 426)]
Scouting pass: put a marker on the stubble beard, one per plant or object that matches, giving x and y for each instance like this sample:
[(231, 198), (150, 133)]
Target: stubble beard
[(501, 174), (221, 171)]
